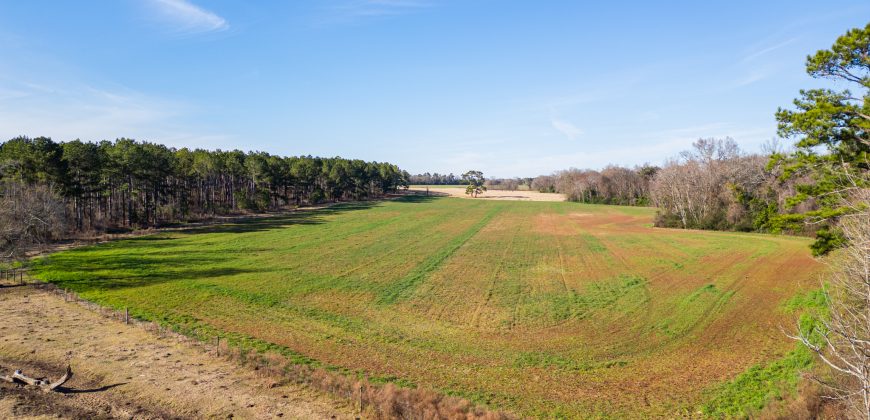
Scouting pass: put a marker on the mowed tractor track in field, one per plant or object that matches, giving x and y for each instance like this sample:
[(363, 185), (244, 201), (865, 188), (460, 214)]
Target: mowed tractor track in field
[(540, 308)]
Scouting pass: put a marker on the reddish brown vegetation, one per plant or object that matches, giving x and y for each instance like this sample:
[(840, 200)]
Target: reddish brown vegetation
[(371, 400)]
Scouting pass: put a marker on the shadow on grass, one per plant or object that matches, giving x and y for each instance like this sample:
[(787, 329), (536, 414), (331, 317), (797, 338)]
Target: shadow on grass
[(156, 259), (91, 270), (65, 390), (302, 217)]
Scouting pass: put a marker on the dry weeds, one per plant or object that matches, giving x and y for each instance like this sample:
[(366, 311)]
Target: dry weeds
[(128, 371), (226, 380)]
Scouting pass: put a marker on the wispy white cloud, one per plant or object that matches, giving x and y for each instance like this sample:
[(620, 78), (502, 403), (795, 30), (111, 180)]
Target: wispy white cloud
[(565, 127), (188, 18), (68, 111), (755, 75), (759, 52), (756, 66), (351, 11), (385, 7)]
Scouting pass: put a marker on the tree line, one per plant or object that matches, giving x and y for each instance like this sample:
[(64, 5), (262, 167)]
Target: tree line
[(612, 185), (128, 183), (434, 179), (506, 184), (714, 185)]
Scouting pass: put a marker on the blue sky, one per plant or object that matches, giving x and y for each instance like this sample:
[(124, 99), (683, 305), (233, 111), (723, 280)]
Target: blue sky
[(511, 88)]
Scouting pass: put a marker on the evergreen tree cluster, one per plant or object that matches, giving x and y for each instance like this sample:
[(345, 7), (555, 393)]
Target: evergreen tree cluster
[(128, 183)]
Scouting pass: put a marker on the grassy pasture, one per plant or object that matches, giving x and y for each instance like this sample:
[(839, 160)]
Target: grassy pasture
[(544, 308)]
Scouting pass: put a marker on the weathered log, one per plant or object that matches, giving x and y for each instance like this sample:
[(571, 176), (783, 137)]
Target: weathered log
[(43, 383)]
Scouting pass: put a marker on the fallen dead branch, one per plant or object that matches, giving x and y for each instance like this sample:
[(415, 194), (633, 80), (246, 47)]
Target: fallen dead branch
[(43, 383)]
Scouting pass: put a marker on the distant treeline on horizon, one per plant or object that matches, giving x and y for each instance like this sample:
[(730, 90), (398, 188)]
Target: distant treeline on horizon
[(128, 183)]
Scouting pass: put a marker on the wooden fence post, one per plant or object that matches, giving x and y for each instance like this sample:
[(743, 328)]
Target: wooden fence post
[(126, 316)]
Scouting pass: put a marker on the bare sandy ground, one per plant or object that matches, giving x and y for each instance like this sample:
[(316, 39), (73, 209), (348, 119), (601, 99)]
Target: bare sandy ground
[(493, 194), (123, 371)]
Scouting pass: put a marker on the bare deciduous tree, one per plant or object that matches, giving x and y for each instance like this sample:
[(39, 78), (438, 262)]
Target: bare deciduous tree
[(707, 186), (845, 341), (30, 216)]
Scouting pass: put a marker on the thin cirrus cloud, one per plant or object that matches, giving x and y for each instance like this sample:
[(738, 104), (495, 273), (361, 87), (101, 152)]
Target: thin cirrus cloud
[(356, 10), (566, 128), (64, 111), (755, 68), (769, 49), (188, 18)]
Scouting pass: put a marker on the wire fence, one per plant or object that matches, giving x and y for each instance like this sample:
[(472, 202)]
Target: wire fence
[(15, 277)]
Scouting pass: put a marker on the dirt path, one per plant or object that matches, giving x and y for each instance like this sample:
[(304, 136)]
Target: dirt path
[(125, 371)]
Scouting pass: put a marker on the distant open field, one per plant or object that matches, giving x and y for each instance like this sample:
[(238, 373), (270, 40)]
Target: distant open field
[(459, 191), (540, 308)]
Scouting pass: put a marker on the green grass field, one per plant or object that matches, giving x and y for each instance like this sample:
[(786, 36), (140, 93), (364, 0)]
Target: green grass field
[(541, 308)]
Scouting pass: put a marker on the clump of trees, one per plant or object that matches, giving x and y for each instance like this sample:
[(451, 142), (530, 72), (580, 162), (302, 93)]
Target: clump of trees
[(611, 185), (714, 185), (717, 186), (129, 184), (434, 179), (31, 216), (509, 184), (474, 181)]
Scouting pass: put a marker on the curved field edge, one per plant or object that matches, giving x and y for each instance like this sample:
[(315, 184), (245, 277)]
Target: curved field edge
[(753, 391), (563, 273)]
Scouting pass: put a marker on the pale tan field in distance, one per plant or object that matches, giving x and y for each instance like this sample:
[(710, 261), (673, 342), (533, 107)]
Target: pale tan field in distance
[(459, 191)]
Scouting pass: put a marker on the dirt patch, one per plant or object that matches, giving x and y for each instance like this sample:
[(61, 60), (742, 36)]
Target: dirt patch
[(554, 224), (493, 194), (125, 371)]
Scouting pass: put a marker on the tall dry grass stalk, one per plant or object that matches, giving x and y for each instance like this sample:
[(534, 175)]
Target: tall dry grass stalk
[(844, 343)]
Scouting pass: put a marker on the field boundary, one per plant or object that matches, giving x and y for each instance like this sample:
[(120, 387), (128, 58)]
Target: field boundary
[(368, 399)]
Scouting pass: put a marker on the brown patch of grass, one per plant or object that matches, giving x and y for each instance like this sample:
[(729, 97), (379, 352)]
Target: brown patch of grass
[(810, 403), (492, 194), (370, 400)]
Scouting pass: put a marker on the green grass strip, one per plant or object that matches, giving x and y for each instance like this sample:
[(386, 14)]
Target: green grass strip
[(751, 391), (402, 288)]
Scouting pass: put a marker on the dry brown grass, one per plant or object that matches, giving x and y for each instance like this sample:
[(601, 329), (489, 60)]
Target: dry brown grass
[(136, 371), (372, 401), (493, 194), (366, 399), (808, 404)]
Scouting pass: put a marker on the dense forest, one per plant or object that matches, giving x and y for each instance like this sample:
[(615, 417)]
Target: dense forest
[(128, 184)]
